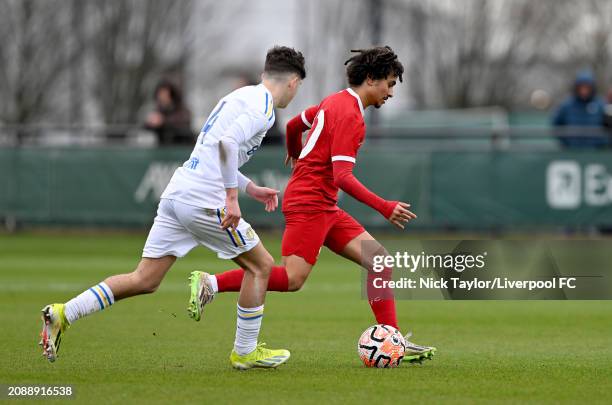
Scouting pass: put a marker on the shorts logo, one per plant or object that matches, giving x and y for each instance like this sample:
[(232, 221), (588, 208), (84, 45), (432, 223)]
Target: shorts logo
[(250, 234)]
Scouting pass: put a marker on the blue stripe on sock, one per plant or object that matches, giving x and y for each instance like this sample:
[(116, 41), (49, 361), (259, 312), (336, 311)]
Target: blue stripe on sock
[(248, 310), (110, 302), (98, 297), (250, 319)]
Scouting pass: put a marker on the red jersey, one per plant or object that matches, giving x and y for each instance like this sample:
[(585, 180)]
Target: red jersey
[(337, 130)]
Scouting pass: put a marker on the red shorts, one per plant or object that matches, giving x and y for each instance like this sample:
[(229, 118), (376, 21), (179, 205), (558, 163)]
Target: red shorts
[(306, 232)]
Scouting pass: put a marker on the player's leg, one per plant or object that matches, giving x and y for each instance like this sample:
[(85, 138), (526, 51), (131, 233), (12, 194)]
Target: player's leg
[(302, 239), (166, 240), (361, 249), (247, 353), (290, 276), (242, 245), (57, 317)]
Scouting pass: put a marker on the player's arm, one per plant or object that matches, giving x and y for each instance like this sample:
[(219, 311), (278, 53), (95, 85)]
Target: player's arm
[(347, 140), (395, 212), (267, 196), (295, 127), (244, 127)]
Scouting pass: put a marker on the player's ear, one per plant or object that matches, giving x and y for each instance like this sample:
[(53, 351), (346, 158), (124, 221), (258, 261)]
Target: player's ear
[(294, 81)]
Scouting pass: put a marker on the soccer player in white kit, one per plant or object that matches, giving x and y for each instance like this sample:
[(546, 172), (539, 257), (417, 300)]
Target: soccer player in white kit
[(200, 207)]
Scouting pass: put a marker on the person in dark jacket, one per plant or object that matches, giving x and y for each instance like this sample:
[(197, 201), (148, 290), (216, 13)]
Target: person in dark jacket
[(582, 109), (608, 111), (171, 120)]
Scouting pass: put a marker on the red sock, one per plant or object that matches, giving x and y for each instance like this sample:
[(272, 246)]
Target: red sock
[(384, 311), (381, 300), (231, 280)]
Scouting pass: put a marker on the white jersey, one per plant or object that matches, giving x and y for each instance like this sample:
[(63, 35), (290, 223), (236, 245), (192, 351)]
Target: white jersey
[(247, 111)]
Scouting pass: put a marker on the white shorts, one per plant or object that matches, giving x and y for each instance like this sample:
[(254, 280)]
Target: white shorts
[(179, 227)]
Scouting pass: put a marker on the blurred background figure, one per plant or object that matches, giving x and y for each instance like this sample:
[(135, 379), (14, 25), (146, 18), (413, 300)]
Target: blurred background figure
[(171, 119), (608, 110), (582, 109)]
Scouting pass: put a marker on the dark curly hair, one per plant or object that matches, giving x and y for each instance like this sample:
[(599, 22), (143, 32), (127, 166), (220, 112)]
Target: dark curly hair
[(282, 59), (376, 63)]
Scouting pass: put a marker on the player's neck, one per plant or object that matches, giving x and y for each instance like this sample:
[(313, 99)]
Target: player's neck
[(362, 95), (274, 89)]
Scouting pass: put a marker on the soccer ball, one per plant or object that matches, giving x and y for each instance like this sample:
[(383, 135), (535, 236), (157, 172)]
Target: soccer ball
[(381, 346)]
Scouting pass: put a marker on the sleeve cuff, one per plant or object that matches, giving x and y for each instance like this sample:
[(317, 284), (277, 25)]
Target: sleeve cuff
[(343, 158)]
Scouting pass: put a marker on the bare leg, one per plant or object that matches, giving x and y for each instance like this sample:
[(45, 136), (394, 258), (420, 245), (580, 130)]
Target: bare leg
[(298, 270), (257, 264), (144, 280)]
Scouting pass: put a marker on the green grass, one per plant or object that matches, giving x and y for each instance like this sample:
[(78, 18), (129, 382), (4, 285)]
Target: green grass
[(146, 350)]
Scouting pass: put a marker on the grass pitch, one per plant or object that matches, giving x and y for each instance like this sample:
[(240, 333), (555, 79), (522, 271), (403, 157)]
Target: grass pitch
[(146, 349)]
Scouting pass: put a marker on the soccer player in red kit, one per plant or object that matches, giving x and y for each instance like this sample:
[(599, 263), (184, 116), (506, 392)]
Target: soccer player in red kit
[(322, 166)]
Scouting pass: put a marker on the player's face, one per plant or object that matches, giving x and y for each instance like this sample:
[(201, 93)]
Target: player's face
[(381, 90)]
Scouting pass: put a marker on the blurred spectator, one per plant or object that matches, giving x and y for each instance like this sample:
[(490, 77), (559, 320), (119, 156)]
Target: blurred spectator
[(171, 120), (608, 111), (582, 109)]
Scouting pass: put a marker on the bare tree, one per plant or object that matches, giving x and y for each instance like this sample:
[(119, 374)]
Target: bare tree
[(480, 52), (331, 30), (136, 43), (35, 50)]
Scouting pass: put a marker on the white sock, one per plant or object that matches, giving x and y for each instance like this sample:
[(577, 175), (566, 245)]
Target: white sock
[(89, 301), (213, 282), (247, 329)]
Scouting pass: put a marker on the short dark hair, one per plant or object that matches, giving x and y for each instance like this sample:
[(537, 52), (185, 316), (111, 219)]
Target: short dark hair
[(376, 63), (282, 59)]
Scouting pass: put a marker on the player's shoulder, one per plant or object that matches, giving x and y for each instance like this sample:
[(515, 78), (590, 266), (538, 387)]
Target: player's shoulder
[(255, 100), (342, 105)]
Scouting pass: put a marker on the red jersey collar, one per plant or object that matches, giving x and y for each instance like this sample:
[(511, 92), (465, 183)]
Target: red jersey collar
[(352, 93)]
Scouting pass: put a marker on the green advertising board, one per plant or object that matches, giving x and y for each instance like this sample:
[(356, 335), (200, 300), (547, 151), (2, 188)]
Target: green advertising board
[(467, 190)]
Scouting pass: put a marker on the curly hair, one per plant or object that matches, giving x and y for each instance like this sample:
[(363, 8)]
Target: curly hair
[(376, 63), (282, 59)]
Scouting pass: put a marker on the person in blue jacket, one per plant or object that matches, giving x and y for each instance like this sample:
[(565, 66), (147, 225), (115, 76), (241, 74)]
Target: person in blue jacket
[(582, 109)]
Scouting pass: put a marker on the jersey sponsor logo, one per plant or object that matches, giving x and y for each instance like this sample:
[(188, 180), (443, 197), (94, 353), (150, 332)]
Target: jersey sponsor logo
[(252, 150)]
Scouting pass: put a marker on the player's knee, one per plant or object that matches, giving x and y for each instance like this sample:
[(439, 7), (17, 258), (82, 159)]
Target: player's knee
[(266, 264), (263, 265), (368, 261)]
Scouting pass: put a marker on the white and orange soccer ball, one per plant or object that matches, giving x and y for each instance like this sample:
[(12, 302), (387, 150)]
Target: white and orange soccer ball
[(381, 346)]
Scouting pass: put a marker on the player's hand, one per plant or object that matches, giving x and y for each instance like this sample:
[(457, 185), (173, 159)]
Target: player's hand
[(401, 215), (290, 161), (155, 119), (268, 196), (232, 214)]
